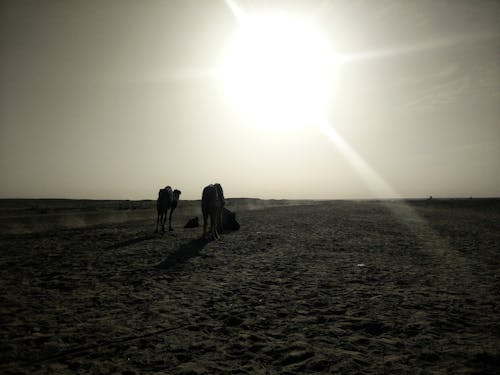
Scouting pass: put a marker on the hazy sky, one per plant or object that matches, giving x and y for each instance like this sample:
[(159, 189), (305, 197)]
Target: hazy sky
[(113, 99)]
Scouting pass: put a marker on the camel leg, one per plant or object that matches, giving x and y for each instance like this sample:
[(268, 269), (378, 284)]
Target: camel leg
[(157, 221), (170, 219), (205, 218), (219, 221), (163, 220), (213, 225)]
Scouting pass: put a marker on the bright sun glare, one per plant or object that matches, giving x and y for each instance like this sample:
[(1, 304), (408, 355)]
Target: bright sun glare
[(278, 71)]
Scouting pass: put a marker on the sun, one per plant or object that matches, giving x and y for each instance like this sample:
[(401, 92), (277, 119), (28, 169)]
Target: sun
[(278, 71)]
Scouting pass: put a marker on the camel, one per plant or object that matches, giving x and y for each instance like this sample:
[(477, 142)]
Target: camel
[(212, 203), (192, 223), (229, 220), (167, 200)]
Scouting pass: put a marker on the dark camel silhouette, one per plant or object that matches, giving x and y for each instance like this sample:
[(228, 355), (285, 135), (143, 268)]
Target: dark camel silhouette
[(229, 221), (167, 200), (212, 203), (192, 223)]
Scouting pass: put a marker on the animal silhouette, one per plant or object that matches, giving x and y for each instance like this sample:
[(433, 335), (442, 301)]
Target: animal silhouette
[(212, 203), (167, 200)]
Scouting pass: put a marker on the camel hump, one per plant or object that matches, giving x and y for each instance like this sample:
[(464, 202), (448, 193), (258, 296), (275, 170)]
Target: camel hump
[(209, 194), (165, 194), (220, 193)]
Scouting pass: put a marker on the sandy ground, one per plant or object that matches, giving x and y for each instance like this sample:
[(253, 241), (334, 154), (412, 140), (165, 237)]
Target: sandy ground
[(336, 287)]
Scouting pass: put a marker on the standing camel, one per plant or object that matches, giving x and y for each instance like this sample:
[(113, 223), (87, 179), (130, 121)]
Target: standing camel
[(212, 202), (167, 200)]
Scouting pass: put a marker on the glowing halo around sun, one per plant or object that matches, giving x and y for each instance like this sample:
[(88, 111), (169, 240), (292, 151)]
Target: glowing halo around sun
[(278, 70)]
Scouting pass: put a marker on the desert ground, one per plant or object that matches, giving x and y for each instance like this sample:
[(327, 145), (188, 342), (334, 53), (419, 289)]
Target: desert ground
[(302, 287)]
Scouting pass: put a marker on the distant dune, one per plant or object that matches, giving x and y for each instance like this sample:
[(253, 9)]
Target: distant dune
[(37, 215)]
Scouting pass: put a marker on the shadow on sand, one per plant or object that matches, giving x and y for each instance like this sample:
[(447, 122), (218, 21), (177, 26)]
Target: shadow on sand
[(131, 241), (183, 254)]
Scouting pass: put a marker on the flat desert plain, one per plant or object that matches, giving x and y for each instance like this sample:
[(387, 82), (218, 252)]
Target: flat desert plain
[(315, 287)]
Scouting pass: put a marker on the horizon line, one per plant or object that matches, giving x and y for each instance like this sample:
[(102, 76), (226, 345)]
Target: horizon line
[(430, 197)]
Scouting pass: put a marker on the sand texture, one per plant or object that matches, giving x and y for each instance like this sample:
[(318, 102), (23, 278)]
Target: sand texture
[(330, 287)]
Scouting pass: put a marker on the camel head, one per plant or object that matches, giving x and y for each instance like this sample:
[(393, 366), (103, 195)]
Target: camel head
[(176, 194)]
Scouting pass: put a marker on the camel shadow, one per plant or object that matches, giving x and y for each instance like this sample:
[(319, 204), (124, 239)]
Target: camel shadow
[(183, 254), (131, 241)]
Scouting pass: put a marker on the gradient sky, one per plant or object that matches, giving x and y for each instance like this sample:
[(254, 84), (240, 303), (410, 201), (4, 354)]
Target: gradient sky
[(112, 100)]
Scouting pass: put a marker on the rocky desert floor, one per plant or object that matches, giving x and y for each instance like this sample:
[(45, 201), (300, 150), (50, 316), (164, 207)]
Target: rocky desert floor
[(326, 287)]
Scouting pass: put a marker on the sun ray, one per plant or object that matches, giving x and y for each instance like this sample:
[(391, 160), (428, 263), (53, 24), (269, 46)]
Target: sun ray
[(430, 240), (378, 186), (346, 58), (237, 11)]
